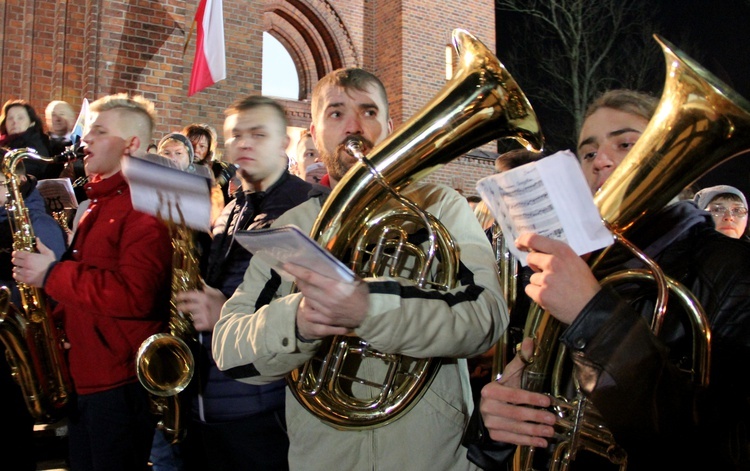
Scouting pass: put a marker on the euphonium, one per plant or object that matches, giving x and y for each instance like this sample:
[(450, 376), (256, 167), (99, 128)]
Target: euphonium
[(507, 269), (165, 362), (33, 343), (482, 102), (698, 124)]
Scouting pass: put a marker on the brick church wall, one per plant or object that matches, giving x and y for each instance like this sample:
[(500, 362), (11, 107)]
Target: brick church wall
[(70, 50)]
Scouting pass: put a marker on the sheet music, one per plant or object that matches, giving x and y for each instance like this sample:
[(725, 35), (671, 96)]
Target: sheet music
[(279, 245), (160, 189), (549, 197), (58, 193)]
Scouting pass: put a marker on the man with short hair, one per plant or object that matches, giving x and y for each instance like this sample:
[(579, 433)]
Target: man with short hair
[(60, 119), (262, 329), (112, 290), (309, 166), (236, 425)]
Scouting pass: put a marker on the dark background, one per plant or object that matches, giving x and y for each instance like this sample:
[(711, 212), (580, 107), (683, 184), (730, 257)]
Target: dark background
[(721, 29), (716, 34)]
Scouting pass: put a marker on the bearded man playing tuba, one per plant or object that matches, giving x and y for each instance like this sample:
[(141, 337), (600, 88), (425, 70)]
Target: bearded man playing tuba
[(391, 313)]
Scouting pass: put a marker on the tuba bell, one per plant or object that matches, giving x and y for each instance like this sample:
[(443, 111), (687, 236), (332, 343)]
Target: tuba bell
[(480, 103), (699, 123)]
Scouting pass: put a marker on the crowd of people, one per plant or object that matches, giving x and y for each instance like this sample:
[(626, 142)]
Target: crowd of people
[(110, 287)]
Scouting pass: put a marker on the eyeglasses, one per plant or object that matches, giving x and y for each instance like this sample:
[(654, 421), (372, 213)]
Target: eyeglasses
[(736, 212)]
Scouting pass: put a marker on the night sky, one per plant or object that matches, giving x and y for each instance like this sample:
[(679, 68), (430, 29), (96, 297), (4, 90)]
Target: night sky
[(716, 34), (722, 29)]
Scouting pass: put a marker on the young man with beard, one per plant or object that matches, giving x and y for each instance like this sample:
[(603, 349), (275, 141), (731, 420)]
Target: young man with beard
[(111, 290), (657, 413), (262, 329), (236, 425)]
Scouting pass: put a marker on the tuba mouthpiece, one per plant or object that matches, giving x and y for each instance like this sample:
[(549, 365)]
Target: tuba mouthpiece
[(355, 146)]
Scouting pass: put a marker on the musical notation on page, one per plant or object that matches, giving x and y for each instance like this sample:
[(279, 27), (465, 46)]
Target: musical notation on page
[(158, 188), (549, 197)]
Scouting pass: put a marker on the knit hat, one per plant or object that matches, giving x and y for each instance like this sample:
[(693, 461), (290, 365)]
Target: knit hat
[(703, 198), (184, 140)]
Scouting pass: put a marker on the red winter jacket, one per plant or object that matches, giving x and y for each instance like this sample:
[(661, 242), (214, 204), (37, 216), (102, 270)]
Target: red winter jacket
[(112, 287)]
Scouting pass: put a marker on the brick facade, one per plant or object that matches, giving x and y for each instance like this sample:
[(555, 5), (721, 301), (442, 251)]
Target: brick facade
[(61, 49)]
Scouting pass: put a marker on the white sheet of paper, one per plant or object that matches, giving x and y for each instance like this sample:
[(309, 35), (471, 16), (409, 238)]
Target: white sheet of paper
[(549, 197), (58, 193), (279, 245), (165, 191)]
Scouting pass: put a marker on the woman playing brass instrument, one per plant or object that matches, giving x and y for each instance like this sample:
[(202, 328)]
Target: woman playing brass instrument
[(661, 417)]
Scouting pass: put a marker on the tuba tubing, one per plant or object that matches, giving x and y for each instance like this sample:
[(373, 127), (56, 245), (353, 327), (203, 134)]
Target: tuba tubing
[(480, 103), (698, 124)]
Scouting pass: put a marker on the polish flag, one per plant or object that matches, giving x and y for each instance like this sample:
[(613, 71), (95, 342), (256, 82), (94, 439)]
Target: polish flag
[(209, 65), (83, 123)]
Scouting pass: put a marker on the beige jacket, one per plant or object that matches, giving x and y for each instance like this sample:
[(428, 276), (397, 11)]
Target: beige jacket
[(460, 323)]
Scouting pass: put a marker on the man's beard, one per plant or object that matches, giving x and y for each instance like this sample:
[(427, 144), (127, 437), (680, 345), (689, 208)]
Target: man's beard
[(340, 161)]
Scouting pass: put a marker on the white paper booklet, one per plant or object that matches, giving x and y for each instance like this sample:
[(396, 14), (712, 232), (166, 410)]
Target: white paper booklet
[(160, 189), (549, 197), (279, 245), (58, 193)]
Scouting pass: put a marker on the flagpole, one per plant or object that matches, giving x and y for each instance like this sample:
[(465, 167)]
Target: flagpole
[(189, 36)]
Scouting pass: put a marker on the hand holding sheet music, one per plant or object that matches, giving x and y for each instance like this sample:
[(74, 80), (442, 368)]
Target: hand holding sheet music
[(548, 197), (279, 245)]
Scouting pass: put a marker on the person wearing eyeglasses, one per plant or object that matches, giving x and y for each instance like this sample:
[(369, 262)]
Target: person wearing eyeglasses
[(728, 207)]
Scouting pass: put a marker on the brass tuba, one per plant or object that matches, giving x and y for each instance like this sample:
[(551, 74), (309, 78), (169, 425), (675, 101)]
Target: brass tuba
[(165, 362), (480, 103), (698, 124), (34, 345)]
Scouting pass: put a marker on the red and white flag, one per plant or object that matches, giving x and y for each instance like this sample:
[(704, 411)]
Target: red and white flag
[(209, 65)]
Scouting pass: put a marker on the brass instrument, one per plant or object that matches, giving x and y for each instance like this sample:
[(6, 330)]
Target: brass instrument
[(698, 124), (165, 362), (480, 103), (507, 269), (34, 345)]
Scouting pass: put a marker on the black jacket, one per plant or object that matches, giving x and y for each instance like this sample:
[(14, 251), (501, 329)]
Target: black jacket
[(657, 413), (221, 397), (40, 143)]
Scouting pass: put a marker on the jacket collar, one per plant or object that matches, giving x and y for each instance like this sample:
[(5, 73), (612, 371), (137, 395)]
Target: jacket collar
[(116, 184), (243, 195)]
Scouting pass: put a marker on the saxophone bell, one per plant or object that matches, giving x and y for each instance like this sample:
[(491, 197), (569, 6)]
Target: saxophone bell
[(165, 364)]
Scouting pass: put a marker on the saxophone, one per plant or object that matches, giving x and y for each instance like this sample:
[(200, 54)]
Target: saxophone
[(165, 363), (34, 346)]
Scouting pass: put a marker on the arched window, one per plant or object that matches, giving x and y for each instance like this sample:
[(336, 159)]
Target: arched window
[(280, 77)]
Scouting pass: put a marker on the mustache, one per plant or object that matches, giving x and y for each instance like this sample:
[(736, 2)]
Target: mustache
[(365, 144)]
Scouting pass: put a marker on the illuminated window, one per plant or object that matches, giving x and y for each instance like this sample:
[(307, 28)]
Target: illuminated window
[(280, 77)]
